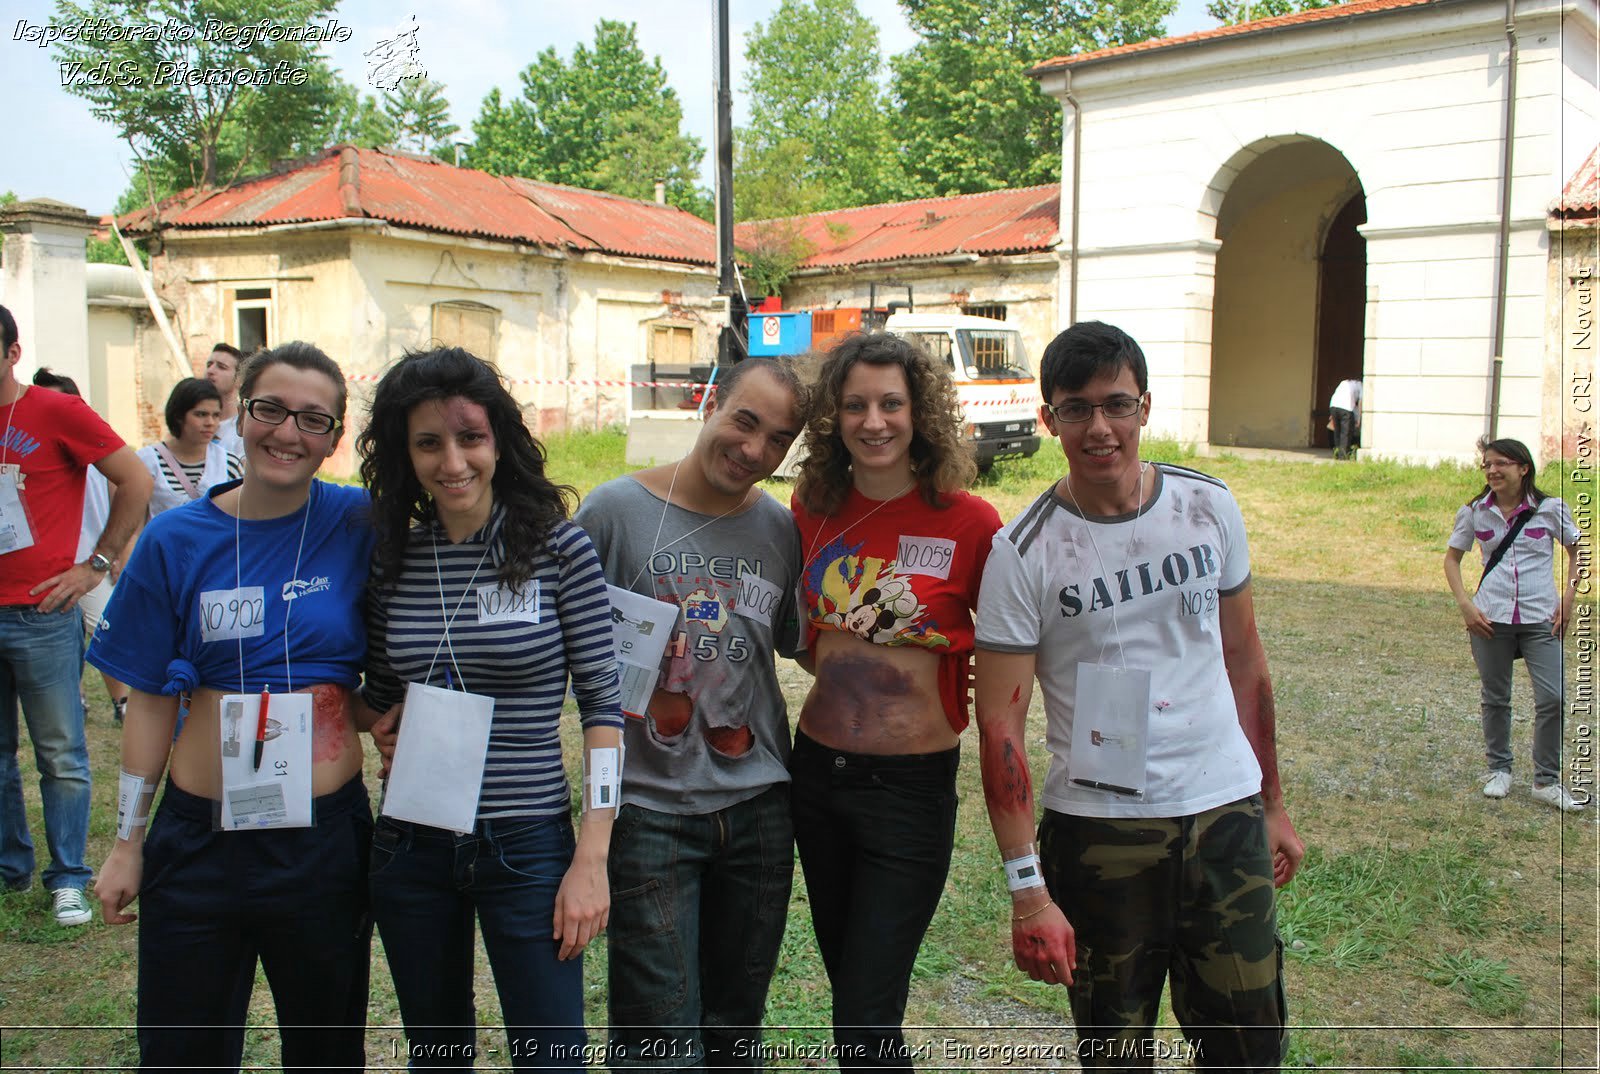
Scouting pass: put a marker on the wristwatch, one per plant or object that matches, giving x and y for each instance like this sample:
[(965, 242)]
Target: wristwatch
[(99, 563)]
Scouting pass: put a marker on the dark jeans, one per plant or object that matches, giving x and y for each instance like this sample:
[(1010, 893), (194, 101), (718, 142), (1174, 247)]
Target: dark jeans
[(427, 885), (698, 907), (212, 902), (1541, 652), (875, 835), (1187, 898), (1344, 425)]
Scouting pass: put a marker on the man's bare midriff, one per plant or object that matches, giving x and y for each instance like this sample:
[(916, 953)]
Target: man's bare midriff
[(875, 698), (335, 751)]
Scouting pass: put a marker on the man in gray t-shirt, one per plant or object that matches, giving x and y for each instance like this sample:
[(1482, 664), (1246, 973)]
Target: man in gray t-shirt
[(702, 851)]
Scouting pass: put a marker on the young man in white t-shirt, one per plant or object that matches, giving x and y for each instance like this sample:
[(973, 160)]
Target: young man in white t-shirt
[(1125, 590)]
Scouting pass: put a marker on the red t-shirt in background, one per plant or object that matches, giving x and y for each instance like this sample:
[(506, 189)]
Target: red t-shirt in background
[(54, 438)]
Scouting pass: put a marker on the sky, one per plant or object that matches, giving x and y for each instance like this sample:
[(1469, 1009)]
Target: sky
[(56, 149)]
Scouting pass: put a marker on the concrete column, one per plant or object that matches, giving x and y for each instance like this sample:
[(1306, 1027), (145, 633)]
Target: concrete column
[(44, 285)]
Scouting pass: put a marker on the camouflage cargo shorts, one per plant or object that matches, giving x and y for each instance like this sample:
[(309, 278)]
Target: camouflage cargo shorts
[(1186, 897)]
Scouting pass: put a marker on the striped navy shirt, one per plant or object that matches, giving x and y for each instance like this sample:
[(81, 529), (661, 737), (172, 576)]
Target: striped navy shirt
[(497, 648)]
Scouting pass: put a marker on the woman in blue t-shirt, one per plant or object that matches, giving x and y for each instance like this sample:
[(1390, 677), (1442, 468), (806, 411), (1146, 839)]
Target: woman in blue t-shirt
[(482, 587), (253, 589)]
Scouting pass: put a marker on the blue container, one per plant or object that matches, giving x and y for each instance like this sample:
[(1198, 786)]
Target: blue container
[(776, 334)]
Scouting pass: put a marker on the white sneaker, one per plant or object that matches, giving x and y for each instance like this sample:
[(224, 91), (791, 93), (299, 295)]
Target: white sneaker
[(71, 908), (1554, 794), (1497, 785)]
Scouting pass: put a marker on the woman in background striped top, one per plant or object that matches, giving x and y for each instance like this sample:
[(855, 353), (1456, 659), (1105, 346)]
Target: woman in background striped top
[(469, 525), (189, 460)]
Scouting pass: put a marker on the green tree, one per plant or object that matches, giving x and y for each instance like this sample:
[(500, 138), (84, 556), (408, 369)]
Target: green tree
[(813, 84), (420, 115), (606, 120), (200, 109), (361, 120), (1229, 12), (971, 118)]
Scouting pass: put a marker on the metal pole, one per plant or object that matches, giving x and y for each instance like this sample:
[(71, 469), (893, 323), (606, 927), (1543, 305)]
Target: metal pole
[(731, 345)]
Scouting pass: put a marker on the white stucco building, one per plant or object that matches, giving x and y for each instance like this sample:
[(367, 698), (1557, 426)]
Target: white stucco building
[(1271, 207)]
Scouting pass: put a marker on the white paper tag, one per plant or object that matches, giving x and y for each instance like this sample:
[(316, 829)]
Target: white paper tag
[(758, 598), (437, 773), (605, 777), (1110, 729), (640, 627), (497, 604), (278, 793), (226, 614), (925, 555), (15, 533), (129, 788), (257, 805)]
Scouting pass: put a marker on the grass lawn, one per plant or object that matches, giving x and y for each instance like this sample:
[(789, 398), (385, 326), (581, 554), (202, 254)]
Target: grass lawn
[(1429, 927)]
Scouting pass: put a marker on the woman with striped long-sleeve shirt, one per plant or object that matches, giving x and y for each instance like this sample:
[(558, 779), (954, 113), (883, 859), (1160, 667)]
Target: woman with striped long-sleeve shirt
[(482, 586)]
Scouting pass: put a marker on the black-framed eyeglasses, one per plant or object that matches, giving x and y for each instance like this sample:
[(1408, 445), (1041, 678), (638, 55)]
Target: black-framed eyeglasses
[(314, 422), (1118, 406)]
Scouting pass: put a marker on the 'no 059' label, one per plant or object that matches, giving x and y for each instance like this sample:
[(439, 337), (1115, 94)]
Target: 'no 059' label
[(925, 555)]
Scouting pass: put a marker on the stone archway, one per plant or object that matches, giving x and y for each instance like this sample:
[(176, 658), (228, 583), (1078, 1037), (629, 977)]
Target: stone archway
[(1289, 299)]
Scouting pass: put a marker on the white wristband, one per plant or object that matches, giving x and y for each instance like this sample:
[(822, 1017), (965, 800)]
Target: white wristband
[(1023, 873), (604, 779), (133, 804)]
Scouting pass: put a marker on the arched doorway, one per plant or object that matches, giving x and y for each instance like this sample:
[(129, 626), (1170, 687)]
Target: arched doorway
[(1288, 308)]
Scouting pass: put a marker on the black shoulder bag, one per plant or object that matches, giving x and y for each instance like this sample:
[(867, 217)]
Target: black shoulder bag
[(1500, 550)]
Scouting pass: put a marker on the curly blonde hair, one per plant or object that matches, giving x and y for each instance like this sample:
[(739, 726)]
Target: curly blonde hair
[(941, 459)]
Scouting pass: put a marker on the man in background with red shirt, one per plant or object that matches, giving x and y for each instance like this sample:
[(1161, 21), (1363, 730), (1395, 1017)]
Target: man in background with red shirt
[(48, 440)]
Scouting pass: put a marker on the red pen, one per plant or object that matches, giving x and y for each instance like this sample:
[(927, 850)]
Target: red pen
[(261, 727)]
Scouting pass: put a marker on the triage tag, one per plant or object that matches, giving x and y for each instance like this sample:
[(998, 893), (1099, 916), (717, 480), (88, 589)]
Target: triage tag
[(130, 789), (605, 777), (15, 533), (640, 628), (437, 774), (1110, 729), (279, 794), (226, 614), (497, 604)]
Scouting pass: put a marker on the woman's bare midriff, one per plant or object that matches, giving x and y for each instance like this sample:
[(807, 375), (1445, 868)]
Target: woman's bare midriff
[(335, 750), (875, 698)]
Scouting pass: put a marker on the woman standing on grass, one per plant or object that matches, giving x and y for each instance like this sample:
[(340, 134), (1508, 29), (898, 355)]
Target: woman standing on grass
[(893, 555), (189, 460), (1517, 611), (483, 587), (255, 589)]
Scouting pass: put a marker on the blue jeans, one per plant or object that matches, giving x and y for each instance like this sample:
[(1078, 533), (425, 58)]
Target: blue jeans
[(1541, 651), (213, 902), (698, 908), (427, 886), (875, 835), (41, 657)]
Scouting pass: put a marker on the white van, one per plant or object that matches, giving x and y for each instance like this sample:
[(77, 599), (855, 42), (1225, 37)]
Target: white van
[(998, 389)]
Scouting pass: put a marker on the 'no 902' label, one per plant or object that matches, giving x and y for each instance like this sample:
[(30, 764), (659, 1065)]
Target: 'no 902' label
[(226, 614), (925, 555)]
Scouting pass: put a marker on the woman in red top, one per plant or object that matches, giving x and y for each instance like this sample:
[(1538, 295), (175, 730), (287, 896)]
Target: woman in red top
[(894, 552)]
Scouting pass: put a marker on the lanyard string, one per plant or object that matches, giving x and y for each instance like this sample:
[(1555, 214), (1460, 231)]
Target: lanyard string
[(812, 551), (1138, 512), (655, 544), (288, 605), (4, 440), (450, 618)]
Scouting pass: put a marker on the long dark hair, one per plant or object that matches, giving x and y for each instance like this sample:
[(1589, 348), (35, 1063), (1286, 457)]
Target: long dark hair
[(533, 504), (1517, 452), (941, 461)]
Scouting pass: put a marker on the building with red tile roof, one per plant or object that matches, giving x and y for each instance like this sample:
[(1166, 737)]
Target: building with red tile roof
[(1358, 190), (370, 252)]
